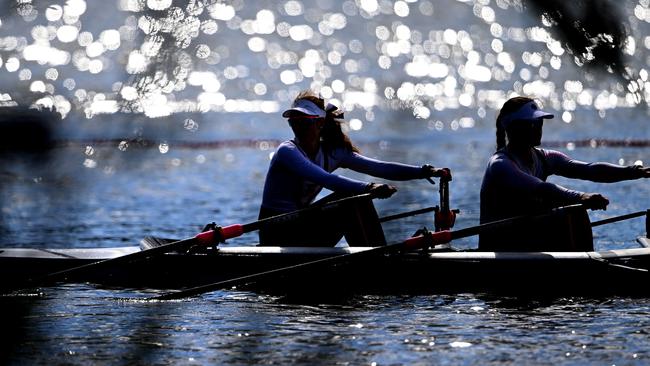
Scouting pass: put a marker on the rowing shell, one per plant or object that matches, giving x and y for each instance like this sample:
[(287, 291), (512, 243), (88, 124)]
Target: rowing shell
[(600, 273)]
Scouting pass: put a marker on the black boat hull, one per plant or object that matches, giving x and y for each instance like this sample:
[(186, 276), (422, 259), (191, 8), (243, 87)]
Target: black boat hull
[(605, 273)]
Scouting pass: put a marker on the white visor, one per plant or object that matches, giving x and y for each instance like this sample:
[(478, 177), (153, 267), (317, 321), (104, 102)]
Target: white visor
[(303, 106), (528, 111)]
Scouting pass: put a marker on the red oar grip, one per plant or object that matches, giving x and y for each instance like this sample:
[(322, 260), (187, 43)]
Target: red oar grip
[(416, 242), (219, 234), (441, 237), (232, 231), (207, 238), (423, 241)]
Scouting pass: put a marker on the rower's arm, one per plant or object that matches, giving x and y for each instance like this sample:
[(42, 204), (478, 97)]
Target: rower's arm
[(512, 179), (601, 172), (295, 161), (378, 168)]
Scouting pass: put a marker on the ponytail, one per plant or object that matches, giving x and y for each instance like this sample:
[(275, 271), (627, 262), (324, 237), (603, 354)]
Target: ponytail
[(332, 135), (501, 136)]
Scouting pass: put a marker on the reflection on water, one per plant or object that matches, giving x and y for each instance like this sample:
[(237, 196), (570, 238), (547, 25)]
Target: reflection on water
[(447, 64), (244, 328)]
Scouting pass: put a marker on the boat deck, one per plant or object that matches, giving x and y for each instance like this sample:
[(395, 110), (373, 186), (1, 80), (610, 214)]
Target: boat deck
[(440, 252)]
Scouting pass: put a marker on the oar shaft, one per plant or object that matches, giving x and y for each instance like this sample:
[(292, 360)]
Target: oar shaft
[(413, 243), (289, 216), (206, 238), (193, 291), (504, 223), (60, 275), (406, 214), (619, 218), (212, 237)]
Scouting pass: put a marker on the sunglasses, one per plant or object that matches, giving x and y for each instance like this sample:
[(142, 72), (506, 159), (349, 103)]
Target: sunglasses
[(311, 118), (537, 122)]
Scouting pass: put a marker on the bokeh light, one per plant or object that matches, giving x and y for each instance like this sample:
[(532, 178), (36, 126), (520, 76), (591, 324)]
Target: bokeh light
[(245, 56)]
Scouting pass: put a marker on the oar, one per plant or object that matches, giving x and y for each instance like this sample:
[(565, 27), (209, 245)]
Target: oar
[(410, 244), (407, 214), (381, 219), (205, 238), (621, 218), (610, 220)]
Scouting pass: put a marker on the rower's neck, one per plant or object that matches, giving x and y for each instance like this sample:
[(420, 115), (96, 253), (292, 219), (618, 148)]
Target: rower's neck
[(522, 153), (309, 146)]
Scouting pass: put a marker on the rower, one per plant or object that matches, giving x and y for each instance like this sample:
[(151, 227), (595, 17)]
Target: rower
[(303, 166), (515, 184)]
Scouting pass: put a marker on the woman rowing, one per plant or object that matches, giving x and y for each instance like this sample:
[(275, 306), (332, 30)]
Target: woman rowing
[(301, 167), (515, 182)]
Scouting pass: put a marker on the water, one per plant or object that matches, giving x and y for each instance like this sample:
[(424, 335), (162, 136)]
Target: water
[(81, 325), (173, 194), (420, 82)]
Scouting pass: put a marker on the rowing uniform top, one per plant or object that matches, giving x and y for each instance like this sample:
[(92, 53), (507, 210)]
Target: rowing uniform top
[(294, 180), (510, 188)]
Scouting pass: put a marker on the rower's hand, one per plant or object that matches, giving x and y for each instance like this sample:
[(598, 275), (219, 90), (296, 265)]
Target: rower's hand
[(430, 171), (381, 190), (594, 201)]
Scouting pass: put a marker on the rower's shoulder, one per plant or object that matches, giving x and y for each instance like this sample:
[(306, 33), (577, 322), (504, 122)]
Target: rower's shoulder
[(500, 163), (498, 157), (286, 151), (552, 155), (287, 147), (288, 144)]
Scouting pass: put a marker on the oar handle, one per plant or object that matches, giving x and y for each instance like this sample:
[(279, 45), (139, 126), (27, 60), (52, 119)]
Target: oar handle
[(220, 234), (427, 240)]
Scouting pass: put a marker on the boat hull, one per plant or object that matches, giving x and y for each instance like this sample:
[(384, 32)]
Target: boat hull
[(604, 273)]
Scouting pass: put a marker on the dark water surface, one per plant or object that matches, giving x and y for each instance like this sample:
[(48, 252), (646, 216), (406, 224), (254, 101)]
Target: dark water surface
[(101, 197), (83, 325)]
